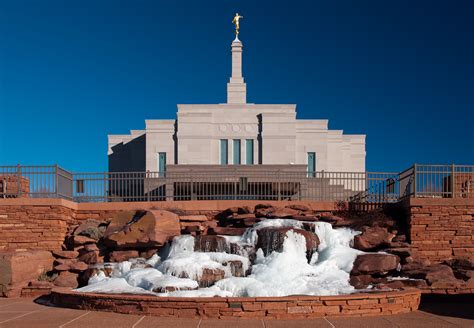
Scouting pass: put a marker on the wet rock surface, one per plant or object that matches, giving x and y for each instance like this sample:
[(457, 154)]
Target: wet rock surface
[(210, 243), (271, 239), (236, 268), (208, 277)]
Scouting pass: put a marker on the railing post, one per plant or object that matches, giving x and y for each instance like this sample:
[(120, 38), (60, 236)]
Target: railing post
[(105, 186), (453, 180), (146, 187), (19, 180), (414, 179), (279, 184), (56, 191), (236, 182)]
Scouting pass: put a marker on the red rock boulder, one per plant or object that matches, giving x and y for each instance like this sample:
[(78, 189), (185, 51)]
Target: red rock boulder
[(141, 229), (17, 269), (299, 207), (91, 228), (226, 231), (65, 254), (363, 281), (437, 275), (90, 257), (262, 210), (376, 263), (373, 238), (66, 279), (283, 212), (120, 256)]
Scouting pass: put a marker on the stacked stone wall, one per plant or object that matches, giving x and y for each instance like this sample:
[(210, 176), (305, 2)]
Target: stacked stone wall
[(32, 223), (290, 307), (441, 229), (34, 226)]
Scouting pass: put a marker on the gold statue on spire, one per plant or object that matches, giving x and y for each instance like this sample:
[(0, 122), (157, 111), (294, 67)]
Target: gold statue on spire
[(235, 21)]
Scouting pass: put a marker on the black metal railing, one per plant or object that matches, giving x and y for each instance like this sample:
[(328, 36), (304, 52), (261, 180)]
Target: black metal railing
[(221, 185), (422, 181), (357, 187)]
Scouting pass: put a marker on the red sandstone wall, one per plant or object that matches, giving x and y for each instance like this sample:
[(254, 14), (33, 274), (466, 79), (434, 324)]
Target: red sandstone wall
[(34, 227), (290, 307), (442, 228), (43, 223)]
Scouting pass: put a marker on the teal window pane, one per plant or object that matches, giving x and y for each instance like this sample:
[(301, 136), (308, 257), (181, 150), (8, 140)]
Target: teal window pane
[(224, 152), (161, 163), (236, 152), (311, 164), (249, 151)]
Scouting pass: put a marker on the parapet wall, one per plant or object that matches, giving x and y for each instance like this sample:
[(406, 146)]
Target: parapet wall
[(441, 228), (33, 223), (289, 307)]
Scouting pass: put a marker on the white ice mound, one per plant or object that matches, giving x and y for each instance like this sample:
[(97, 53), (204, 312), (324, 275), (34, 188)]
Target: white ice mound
[(113, 286), (284, 273), (201, 292), (182, 261), (164, 282), (141, 277), (289, 273)]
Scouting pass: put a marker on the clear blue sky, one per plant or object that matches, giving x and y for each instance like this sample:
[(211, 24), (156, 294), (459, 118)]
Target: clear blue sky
[(72, 72)]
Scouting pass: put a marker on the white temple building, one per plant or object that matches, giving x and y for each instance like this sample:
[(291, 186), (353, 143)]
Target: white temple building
[(236, 134)]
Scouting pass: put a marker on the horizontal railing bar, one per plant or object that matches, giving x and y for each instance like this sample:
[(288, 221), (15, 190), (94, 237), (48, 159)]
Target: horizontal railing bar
[(239, 182)]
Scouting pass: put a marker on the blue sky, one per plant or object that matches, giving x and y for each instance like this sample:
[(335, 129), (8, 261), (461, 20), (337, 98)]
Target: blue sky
[(72, 72)]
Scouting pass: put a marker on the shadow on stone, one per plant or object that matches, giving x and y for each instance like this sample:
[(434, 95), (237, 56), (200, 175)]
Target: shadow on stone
[(458, 306)]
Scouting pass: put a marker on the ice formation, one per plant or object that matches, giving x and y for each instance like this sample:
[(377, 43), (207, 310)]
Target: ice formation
[(178, 269)]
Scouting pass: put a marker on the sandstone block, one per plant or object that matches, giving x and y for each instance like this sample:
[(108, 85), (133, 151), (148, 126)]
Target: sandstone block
[(66, 279), (141, 229), (375, 264), (17, 269)]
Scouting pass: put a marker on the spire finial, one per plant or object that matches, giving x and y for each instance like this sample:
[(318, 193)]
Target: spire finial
[(235, 21)]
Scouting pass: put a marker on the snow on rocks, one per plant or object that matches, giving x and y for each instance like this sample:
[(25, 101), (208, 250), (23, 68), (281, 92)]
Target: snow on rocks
[(203, 266)]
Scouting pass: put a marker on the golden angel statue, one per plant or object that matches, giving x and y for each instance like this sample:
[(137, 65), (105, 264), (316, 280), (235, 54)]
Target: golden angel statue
[(235, 21)]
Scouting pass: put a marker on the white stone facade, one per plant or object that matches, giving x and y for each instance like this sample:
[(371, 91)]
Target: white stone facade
[(278, 136)]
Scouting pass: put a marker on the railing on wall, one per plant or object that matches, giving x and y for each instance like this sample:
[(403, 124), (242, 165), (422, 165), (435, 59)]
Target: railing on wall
[(435, 181), (49, 181), (422, 181), (440, 181), (223, 185)]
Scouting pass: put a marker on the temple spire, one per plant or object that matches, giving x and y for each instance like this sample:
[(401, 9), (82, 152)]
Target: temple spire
[(236, 88)]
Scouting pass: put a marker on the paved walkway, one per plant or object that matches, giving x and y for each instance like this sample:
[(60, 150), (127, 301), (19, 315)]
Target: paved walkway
[(434, 312)]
